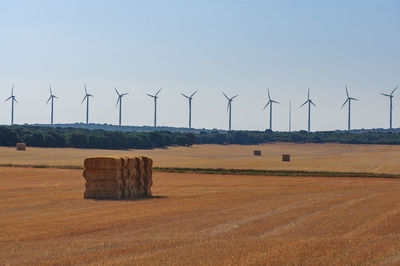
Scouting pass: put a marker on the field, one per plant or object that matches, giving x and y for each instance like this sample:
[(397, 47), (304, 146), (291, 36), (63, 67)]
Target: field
[(308, 157), (206, 219), (199, 219)]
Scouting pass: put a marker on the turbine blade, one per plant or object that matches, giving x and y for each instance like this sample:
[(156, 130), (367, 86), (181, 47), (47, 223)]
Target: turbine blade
[(229, 104), (225, 96), (184, 95), (354, 99), (119, 98), (266, 105), (308, 95), (7, 99), (123, 94), (84, 98), (234, 97), (90, 95), (48, 100), (313, 103), (269, 96), (158, 92), (51, 92), (384, 94), (347, 91), (12, 90), (193, 93), (274, 101), (85, 89), (117, 91), (303, 104), (14, 99), (345, 103), (394, 89), (150, 95)]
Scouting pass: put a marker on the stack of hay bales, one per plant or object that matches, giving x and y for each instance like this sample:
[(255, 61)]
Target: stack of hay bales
[(257, 153), (21, 146), (123, 177), (285, 157)]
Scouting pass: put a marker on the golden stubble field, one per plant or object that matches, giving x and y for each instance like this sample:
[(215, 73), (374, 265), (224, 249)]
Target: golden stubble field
[(309, 157), (199, 219)]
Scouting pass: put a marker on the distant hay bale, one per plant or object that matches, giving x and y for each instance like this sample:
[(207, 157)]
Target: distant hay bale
[(21, 147), (285, 157), (257, 153), (121, 177)]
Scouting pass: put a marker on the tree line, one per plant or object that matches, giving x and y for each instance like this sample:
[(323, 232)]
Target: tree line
[(39, 136), (268, 136)]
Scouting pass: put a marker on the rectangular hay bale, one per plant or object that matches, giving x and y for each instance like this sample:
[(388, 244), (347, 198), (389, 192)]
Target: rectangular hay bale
[(257, 153), (285, 157), (21, 147), (116, 177)]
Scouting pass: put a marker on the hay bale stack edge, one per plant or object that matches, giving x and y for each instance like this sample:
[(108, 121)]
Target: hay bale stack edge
[(118, 177)]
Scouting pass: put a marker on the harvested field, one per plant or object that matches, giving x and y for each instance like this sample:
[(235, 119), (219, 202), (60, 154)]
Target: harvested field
[(306, 157), (200, 219)]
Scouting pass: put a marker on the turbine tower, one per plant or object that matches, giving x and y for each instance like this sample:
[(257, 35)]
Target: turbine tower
[(309, 101), (391, 105), (52, 96), (13, 99), (120, 103), (270, 102), (229, 109), (290, 116), (155, 97), (348, 100), (190, 98), (87, 95)]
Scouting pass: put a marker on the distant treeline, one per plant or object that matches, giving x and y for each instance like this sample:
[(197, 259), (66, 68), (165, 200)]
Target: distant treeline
[(36, 136), (39, 136), (258, 137)]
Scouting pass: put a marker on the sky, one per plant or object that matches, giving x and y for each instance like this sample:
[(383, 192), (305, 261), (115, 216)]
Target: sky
[(234, 46)]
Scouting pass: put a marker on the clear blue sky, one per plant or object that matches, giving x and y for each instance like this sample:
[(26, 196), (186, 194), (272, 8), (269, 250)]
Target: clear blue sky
[(240, 47)]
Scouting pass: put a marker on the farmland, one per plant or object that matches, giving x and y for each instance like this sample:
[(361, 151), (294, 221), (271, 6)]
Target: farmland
[(201, 219), (306, 157), (204, 218)]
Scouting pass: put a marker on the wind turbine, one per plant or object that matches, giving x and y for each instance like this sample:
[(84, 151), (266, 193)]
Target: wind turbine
[(229, 109), (120, 103), (52, 96), (309, 101), (87, 95), (12, 98), (155, 97), (391, 105), (348, 100), (270, 102), (190, 98)]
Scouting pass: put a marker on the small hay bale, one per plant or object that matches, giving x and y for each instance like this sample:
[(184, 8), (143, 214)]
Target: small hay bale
[(285, 157), (257, 153), (21, 147)]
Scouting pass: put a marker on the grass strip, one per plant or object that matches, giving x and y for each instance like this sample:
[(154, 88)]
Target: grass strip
[(223, 171), (42, 166)]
